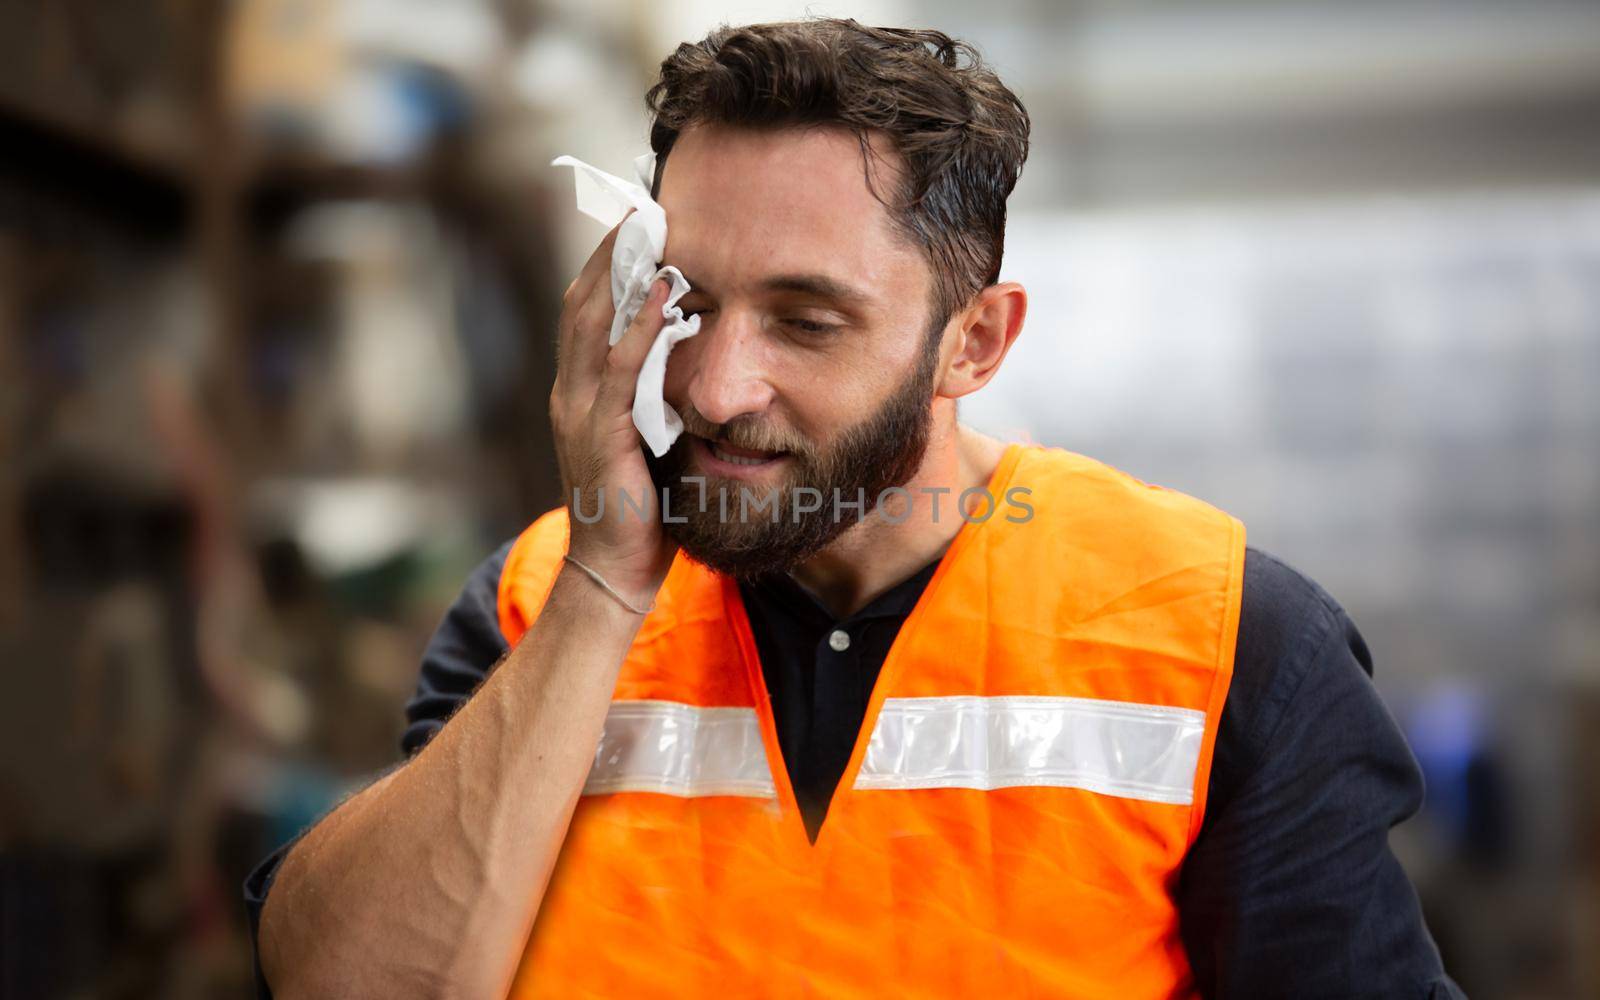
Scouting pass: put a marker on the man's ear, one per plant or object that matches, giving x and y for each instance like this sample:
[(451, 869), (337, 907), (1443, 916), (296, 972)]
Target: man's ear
[(984, 332)]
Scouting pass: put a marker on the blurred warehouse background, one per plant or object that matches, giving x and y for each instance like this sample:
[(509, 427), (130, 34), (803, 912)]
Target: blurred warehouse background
[(276, 281)]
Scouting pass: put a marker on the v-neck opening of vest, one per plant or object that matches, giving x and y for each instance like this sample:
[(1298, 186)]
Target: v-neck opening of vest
[(733, 602)]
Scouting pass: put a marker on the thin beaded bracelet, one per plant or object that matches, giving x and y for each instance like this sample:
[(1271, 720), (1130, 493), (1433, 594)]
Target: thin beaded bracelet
[(597, 578)]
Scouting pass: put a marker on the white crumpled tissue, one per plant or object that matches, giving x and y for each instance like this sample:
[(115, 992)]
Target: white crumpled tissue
[(635, 265)]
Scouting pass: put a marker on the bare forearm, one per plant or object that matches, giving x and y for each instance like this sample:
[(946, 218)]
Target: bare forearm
[(427, 882)]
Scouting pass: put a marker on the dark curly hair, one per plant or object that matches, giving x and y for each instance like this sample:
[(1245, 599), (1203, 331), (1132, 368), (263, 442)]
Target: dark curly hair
[(960, 134)]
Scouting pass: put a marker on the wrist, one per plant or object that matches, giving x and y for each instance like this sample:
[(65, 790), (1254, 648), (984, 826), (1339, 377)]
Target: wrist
[(619, 590), (638, 608), (577, 600), (635, 575)]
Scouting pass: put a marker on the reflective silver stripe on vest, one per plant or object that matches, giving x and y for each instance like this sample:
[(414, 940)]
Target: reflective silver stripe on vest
[(679, 749), (1111, 747)]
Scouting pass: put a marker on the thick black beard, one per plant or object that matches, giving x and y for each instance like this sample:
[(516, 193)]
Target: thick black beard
[(883, 451)]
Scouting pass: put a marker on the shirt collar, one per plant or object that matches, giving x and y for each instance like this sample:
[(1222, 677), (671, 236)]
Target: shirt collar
[(896, 602)]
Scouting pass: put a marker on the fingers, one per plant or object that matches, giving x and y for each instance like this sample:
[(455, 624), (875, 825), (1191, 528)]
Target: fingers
[(634, 345), (586, 357), (620, 369), (598, 266), (596, 271)]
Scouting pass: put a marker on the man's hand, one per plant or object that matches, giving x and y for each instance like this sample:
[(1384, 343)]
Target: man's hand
[(599, 449)]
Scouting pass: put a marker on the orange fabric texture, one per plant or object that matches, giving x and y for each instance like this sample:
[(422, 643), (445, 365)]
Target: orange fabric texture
[(1114, 590)]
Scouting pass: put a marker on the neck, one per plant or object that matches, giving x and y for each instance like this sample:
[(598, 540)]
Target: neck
[(875, 554)]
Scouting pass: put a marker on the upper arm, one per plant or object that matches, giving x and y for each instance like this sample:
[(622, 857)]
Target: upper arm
[(464, 648), (1291, 887)]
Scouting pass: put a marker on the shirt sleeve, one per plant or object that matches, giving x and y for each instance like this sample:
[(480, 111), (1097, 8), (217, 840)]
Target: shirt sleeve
[(464, 648), (1291, 888)]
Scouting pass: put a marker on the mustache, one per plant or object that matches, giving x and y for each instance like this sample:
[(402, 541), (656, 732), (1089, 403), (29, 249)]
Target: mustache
[(742, 432)]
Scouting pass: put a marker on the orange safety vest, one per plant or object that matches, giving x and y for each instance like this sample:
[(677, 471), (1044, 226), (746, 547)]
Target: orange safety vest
[(1031, 771)]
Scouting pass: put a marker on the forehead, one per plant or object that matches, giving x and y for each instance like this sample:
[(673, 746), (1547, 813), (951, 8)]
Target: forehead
[(742, 203)]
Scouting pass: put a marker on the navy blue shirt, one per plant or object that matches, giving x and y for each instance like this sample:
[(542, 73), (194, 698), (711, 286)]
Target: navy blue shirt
[(1290, 889)]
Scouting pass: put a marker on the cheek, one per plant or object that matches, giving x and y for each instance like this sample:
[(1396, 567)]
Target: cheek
[(832, 394)]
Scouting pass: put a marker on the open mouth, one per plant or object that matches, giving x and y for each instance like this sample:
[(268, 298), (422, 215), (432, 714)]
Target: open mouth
[(731, 455)]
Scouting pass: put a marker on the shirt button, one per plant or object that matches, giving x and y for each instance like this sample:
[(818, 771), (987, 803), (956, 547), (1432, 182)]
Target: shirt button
[(839, 640)]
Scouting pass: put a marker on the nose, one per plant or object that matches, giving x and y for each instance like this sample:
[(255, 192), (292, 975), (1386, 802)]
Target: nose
[(725, 367)]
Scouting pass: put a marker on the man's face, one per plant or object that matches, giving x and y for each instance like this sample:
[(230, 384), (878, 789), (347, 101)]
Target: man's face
[(813, 366)]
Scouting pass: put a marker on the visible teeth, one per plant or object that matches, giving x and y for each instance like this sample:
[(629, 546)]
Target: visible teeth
[(737, 459)]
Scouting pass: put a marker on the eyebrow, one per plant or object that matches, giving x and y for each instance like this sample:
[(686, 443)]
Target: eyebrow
[(819, 285)]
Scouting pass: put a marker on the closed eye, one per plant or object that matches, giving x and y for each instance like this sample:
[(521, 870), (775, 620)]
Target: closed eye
[(799, 324), (811, 326)]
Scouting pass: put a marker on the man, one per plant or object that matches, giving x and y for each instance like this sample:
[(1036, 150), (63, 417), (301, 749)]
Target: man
[(1063, 735)]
